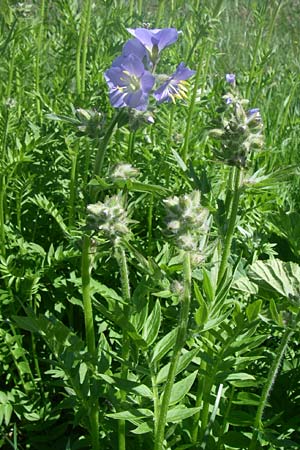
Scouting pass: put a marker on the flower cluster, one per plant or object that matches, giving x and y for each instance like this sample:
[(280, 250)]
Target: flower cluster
[(240, 130), (131, 78), (109, 218), (187, 220)]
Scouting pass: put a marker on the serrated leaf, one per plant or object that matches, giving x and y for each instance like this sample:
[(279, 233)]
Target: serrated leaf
[(279, 277), (164, 345), (182, 387), (180, 413), (152, 325)]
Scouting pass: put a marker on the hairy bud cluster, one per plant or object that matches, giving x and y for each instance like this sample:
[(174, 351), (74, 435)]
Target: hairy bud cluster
[(240, 132), (186, 220), (91, 122), (109, 218), (123, 172)]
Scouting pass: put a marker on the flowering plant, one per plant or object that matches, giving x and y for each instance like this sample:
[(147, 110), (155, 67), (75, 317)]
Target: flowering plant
[(131, 78)]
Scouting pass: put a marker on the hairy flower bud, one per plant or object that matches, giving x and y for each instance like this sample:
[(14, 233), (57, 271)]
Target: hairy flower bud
[(186, 220), (240, 130), (109, 218)]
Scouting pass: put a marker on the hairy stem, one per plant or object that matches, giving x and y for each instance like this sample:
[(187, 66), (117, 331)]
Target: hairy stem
[(88, 7), (38, 56), (231, 223), (89, 333), (258, 425), (122, 261), (180, 340)]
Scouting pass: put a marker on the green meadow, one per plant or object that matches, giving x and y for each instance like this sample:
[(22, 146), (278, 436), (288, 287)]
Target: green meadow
[(149, 225)]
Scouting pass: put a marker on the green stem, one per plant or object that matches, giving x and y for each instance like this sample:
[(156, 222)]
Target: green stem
[(205, 55), (224, 426), (85, 44), (100, 155), (254, 60), (160, 12), (131, 8), (191, 111), (140, 7), (78, 54), (38, 57), (74, 156), (150, 224), (199, 397), (89, 333), (231, 223), (131, 142), (86, 295), (180, 340), (122, 261), (258, 425), (2, 219)]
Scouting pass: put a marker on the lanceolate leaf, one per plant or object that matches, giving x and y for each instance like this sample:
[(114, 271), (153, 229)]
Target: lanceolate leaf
[(181, 388), (180, 413), (164, 345), (183, 363), (152, 325)]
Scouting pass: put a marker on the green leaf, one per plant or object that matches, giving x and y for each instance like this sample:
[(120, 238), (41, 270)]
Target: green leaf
[(275, 314), (201, 315), (183, 363), (83, 368), (208, 286), (180, 413), (247, 398), (128, 385), (235, 440), (181, 388), (253, 310), (143, 428), (276, 276), (8, 409), (241, 376), (164, 345), (131, 415), (152, 325)]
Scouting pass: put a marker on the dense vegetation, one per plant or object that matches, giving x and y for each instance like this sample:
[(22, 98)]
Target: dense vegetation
[(150, 258)]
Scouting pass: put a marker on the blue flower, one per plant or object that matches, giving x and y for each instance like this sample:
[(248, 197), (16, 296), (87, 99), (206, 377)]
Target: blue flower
[(175, 86), (252, 111), (129, 83), (134, 47), (155, 40), (230, 78)]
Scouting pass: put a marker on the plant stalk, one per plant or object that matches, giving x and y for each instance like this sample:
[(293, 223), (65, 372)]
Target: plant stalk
[(180, 340), (122, 261), (237, 175), (89, 332), (85, 43), (258, 425)]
